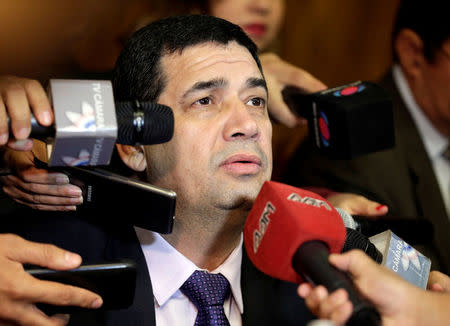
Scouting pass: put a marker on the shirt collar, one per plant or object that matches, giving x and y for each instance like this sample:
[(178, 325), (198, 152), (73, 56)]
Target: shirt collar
[(168, 277), (435, 143)]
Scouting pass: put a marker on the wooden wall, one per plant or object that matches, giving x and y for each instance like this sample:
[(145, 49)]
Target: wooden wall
[(338, 42)]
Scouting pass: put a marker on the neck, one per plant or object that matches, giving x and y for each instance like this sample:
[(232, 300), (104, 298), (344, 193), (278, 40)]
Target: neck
[(207, 239)]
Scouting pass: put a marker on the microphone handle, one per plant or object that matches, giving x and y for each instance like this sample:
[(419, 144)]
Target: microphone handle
[(311, 261), (38, 131)]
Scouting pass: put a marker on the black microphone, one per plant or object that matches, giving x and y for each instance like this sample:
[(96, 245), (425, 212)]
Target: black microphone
[(88, 122), (346, 121), (356, 240), (413, 231), (138, 123)]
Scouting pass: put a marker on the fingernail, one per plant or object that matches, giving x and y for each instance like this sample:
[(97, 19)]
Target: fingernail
[(22, 144), (23, 132), (380, 207), (46, 117), (62, 179), (97, 303), (3, 138), (76, 200), (72, 258), (75, 191)]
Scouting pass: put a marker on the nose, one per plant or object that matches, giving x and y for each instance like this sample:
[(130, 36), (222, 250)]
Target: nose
[(240, 124), (261, 7)]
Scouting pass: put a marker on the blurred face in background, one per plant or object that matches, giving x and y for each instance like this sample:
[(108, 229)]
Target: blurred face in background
[(260, 19), (432, 92)]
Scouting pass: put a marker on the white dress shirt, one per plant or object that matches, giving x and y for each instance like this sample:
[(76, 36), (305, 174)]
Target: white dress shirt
[(435, 143), (169, 269)]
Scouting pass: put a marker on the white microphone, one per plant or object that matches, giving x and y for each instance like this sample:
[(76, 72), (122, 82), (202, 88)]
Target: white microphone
[(88, 122)]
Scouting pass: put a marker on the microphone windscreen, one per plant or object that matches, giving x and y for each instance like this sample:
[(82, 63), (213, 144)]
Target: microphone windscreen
[(348, 220), (143, 123), (283, 218)]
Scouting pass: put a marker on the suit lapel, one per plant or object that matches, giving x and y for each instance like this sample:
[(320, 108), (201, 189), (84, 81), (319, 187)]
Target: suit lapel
[(142, 312), (268, 301), (430, 204)]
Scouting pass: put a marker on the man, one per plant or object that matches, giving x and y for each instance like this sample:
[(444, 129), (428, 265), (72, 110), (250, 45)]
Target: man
[(399, 302), (413, 179), (208, 72)]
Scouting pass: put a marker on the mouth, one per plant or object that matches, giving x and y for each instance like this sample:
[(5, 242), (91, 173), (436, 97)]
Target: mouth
[(242, 164), (256, 30)]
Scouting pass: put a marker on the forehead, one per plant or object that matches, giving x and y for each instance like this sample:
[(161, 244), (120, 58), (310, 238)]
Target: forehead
[(208, 60)]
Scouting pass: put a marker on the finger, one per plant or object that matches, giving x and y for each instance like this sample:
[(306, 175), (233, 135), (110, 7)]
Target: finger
[(369, 208), (333, 302), (41, 199), (289, 74), (18, 108), (39, 102), (4, 133), (63, 190), (340, 316), (353, 261), (315, 299), (61, 319), (436, 287), (27, 314), (35, 175), (50, 208), (304, 290), (58, 294), (281, 112), (45, 255), (20, 145)]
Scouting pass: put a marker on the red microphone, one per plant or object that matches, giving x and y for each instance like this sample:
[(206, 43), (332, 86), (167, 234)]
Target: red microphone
[(289, 235)]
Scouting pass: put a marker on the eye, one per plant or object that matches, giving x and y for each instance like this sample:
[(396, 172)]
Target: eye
[(203, 101), (257, 101)]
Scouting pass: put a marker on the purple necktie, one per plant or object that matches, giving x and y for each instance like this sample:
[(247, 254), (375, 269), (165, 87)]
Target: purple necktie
[(208, 293)]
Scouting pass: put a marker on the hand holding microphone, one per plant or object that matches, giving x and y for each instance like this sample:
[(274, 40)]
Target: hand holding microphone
[(399, 302), (19, 98), (135, 123), (289, 234)]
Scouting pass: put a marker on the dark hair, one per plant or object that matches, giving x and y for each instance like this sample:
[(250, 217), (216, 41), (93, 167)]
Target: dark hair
[(138, 74), (429, 19)]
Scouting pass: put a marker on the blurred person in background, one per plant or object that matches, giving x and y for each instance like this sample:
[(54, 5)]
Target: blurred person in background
[(413, 178), (261, 20)]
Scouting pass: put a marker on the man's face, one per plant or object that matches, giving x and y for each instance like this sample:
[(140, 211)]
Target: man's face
[(221, 152), (431, 91)]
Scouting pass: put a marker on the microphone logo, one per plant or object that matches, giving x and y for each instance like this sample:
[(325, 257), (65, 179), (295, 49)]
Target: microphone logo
[(309, 201), (264, 221), (81, 160), (409, 254), (350, 90), (82, 121)]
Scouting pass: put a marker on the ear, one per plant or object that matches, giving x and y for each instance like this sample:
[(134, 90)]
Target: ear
[(132, 156), (409, 48)]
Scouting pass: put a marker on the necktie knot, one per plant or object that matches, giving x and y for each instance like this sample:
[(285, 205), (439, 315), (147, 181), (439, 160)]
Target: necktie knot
[(208, 293)]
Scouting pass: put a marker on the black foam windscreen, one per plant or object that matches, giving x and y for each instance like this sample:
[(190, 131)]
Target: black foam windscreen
[(346, 121), (143, 123)]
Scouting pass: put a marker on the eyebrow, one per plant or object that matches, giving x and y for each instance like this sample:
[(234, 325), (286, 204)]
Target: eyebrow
[(222, 83), (203, 85), (256, 82)]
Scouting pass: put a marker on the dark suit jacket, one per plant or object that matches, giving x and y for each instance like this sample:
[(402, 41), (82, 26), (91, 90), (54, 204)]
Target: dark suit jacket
[(401, 178), (267, 301)]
